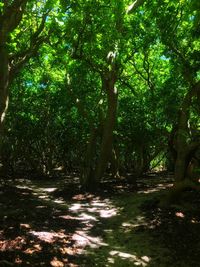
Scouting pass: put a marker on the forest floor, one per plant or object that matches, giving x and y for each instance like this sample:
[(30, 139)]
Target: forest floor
[(50, 223)]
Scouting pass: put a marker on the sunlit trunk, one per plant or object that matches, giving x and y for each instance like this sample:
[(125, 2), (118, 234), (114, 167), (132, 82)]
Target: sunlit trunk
[(4, 82)]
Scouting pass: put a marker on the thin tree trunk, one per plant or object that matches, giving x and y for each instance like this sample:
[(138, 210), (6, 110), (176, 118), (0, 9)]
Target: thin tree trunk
[(4, 82)]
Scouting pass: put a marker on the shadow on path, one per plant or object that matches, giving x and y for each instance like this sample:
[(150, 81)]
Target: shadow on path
[(43, 224)]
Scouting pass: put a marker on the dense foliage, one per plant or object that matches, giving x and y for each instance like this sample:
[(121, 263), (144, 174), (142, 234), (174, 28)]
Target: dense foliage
[(100, 87)]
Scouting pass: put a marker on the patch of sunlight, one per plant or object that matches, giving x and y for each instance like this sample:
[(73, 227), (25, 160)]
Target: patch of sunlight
[(25, 193), (94, 209), (83, 197), (103, 209), (12, 244), (25, 226), (60, 168), (44, 197), (75, 207), (23, 187), (68, 250), (17, 261), (110, 260), (56, 263), (180, 214), (49, 190), (108, 213), (138, 261), (194, 221), (41, 207), (68, 217), (49, 237), (82, 239), (98, 204), (86, 219), (139, 221), (158, 188), (84, 216), (4, 113), (22, 180), (108, 231), (59, 201), (35, 248)]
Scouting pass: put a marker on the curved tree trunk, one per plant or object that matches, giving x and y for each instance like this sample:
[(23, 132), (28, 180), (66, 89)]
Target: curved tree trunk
[(183, 144), (10, 18)]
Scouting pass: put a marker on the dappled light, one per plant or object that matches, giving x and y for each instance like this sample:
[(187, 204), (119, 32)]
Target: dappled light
[(131, 225), (137, 261), (102, 208), (83, 239), (49, 237), (99, 133), (73, 231), (156, 189), (180, 214), (36, 248)]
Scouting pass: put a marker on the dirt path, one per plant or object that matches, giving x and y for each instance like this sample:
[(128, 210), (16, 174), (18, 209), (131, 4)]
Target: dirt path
[(43, 223)]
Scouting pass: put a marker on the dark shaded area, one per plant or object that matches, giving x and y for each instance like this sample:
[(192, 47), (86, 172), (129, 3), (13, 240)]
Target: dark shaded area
[(176, 227), (32, 229)]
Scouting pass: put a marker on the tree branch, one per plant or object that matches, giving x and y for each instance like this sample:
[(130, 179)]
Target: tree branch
[(134, 6), (19, 59), (12, 15), (128, 85)]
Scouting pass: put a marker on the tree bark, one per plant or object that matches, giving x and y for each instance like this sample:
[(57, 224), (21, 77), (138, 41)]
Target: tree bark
[(108, 83), (114, 164), (4, 83), (9, 20), (183, 145), (89, 161), (134, 6)]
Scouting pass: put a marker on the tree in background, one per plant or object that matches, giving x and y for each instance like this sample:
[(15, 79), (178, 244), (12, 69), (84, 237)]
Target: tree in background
[(107, 92), (178, 23)]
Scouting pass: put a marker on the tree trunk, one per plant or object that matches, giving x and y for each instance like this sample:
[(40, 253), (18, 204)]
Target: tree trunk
[(181, 137), (4, 83), (114, 164), (88, 168), (182, 140), (180, 167), (10, 19), (108, 83)]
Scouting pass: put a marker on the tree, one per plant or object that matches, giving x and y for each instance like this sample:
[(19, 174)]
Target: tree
[(16, 22), (178, 27)]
